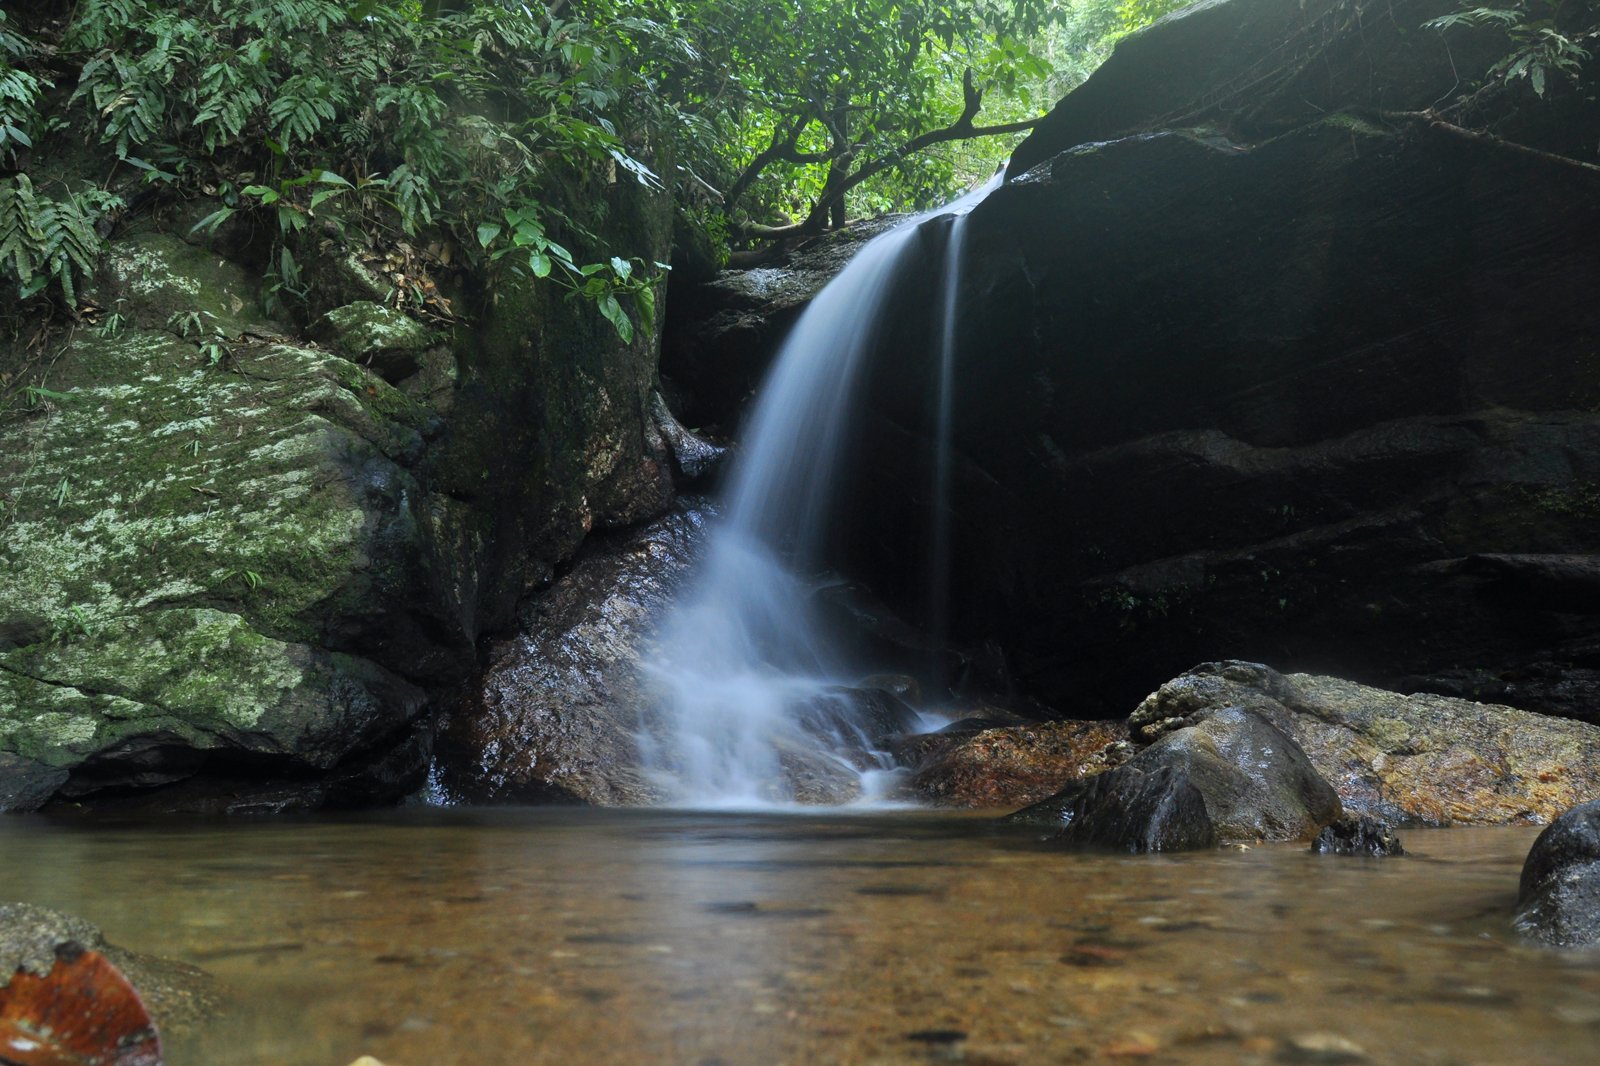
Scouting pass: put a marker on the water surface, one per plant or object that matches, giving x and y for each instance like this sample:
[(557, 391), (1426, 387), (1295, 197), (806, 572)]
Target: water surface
[(492, 938)]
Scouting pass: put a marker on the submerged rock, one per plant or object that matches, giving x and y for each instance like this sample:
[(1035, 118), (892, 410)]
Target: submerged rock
[(1358, 835), (1403, 759), (1232, 776), (1558, 901)]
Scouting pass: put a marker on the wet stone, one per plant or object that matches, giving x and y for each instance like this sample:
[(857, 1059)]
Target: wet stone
[(1358, 835)]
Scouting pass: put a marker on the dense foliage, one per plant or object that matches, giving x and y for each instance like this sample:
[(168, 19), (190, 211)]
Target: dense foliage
[(450, 122), (1549, 38)]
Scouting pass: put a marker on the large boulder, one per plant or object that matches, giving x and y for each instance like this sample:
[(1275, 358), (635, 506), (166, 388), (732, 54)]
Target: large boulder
[(1558, 901), (1405, 759), (1256, 356), (237, 567), (1231, 776)]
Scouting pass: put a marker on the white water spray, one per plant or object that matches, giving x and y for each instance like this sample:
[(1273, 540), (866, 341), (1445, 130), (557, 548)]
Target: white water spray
[(748, 683)]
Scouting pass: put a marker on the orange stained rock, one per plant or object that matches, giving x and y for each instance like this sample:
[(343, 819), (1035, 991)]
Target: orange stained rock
[(82, 1013)]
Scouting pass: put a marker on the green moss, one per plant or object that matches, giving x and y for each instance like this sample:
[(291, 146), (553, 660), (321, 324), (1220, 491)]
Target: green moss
[(148, 277), (359, 330)]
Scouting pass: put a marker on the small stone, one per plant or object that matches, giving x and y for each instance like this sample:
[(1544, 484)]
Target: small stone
[(1133, 1046), (1323, 1048), (1359, 835)]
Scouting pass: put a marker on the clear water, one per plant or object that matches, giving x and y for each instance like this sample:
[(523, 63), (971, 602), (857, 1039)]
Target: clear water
[(510, 937), (742, 668)]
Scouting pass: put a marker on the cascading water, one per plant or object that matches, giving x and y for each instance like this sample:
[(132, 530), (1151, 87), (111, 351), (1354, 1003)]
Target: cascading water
[(944, 447), (748, 683)]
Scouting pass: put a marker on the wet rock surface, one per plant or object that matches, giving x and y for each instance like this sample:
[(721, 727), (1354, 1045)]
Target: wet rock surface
[(721, 334), (983, 763), (555, 714), (1558, 900), (1232, 776), (1358, 835), (178, 996), (1403, 759)]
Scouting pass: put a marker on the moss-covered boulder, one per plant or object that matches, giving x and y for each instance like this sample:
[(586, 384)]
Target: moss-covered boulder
[(181, 542), (237, 567)]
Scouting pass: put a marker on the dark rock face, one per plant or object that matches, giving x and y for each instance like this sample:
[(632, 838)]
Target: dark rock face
[(1132, 810), (1559, 897), (1402, 759), (1233, 776), (1250, 357), (1358, 835)]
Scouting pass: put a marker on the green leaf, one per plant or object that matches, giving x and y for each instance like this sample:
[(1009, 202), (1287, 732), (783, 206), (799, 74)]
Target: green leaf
[(612, 310), (623, 268), (213, 220), (328, 177), (645, 299), (487, 233), (540, 264)]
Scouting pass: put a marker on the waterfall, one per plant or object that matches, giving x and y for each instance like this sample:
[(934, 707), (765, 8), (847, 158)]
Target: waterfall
[(944, 445), (748, 684)]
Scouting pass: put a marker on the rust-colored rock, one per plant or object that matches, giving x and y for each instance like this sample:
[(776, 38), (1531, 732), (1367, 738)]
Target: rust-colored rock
[(1016, 765), (82, 1012)]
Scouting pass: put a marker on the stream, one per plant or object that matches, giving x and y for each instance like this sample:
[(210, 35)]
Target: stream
[(492, 937)]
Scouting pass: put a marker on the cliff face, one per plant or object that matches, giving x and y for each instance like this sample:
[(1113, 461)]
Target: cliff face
[(237, 574), (1260, 354)]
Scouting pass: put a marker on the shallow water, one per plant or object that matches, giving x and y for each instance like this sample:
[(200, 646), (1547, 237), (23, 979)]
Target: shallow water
[(524, 936)]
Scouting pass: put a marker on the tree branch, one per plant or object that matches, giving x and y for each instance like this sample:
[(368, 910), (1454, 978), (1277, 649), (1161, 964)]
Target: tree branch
[(785, 146), (1432, 120), (961, 129)]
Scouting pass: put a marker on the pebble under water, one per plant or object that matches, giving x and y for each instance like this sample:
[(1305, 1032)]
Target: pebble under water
[(498, 937)]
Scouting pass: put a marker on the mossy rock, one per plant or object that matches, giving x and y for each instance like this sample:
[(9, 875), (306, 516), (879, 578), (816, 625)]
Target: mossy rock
[(391, 343), (184, 549)]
